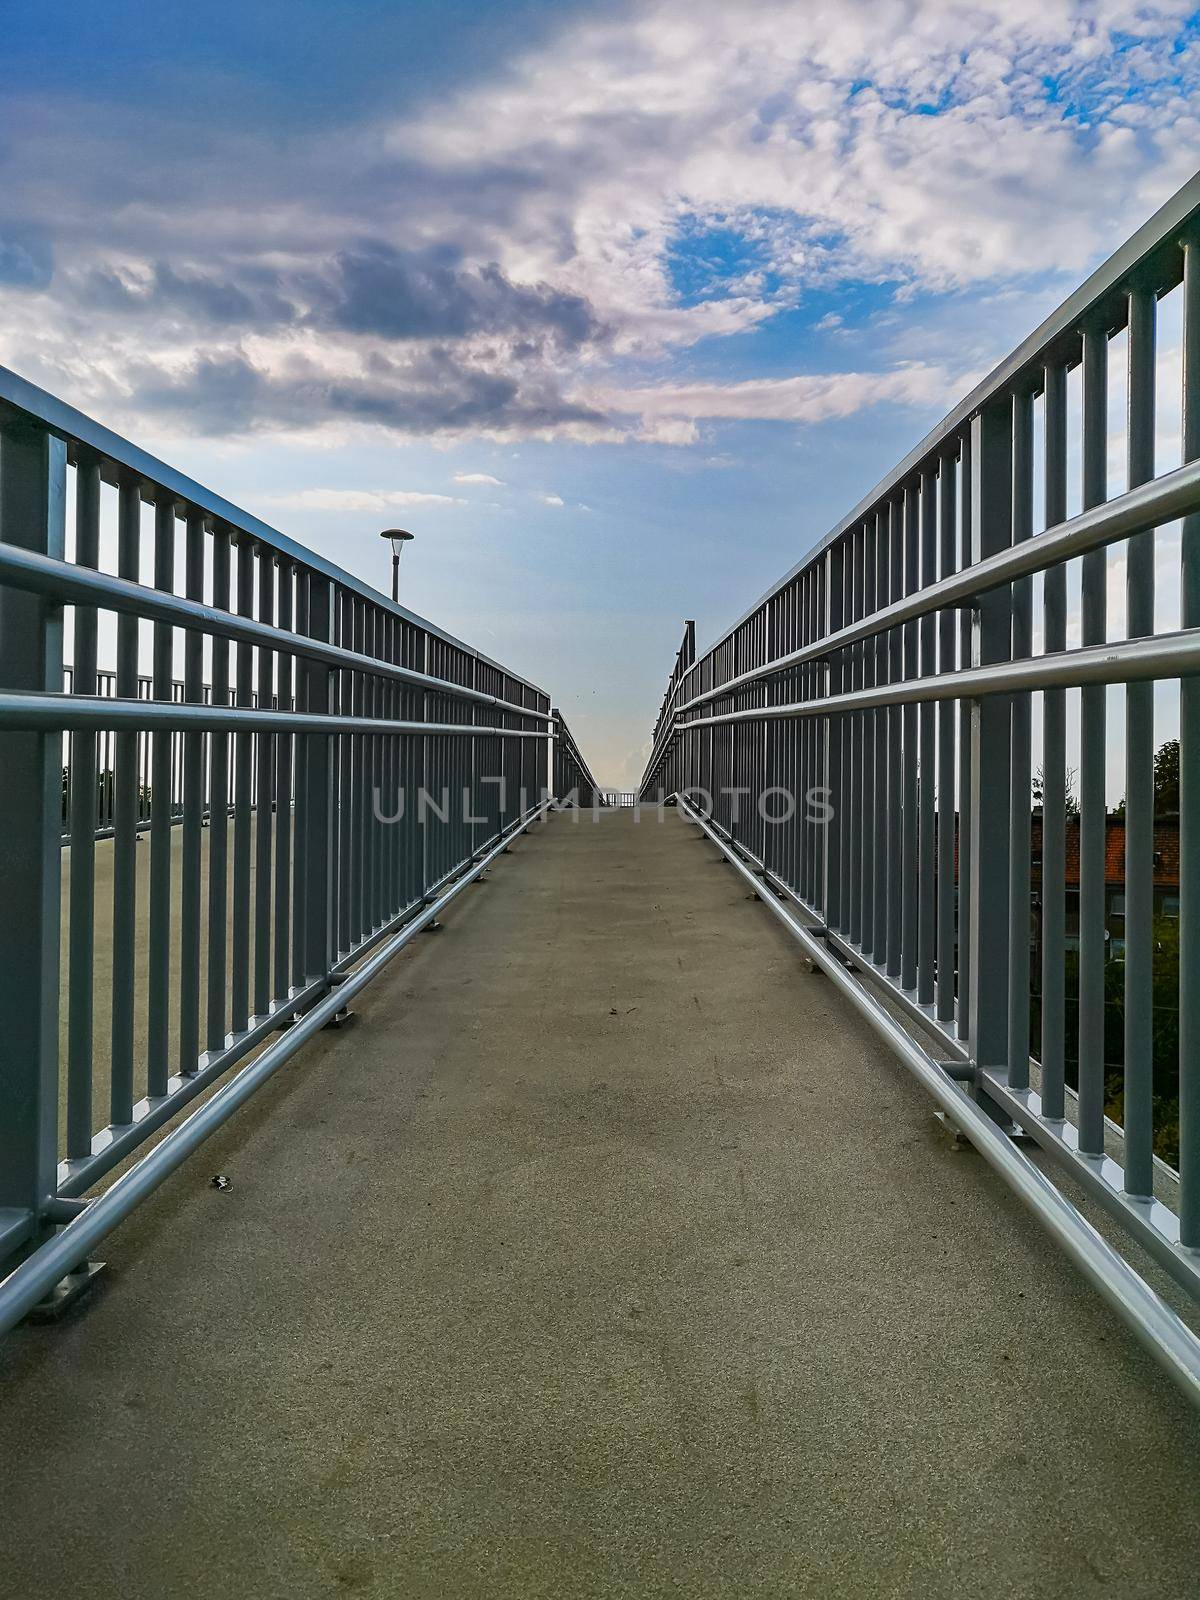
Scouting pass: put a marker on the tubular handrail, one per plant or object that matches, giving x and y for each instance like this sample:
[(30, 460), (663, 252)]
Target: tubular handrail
[(74, 585), (1137, 511), (121, 461), (1151, 255)]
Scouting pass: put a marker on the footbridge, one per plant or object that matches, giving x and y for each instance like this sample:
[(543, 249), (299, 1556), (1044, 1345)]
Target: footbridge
[(425, 1170)]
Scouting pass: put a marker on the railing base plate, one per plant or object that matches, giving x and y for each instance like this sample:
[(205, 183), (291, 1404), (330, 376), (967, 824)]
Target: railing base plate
[(65, 1292)]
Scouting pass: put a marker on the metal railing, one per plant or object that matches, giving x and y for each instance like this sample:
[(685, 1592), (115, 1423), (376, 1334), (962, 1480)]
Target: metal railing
[(372, 766), (866, 743), (573, 781)]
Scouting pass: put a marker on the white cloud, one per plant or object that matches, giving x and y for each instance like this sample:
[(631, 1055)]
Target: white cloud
[(479, 477), (359, 499), (935, 145), (552, 500), (668, 412)]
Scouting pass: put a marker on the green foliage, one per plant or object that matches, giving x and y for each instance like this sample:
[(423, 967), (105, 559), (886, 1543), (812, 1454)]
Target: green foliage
[(1164, 1030)]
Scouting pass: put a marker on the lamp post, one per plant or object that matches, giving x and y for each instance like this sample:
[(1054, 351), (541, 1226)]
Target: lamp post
[(399, 537)]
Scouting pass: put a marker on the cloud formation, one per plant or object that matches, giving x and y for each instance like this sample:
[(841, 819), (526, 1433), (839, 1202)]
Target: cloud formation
[(535, 256)]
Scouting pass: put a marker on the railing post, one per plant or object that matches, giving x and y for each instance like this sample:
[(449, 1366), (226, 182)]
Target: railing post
[(316, 689), (989, 794), (33, 466)]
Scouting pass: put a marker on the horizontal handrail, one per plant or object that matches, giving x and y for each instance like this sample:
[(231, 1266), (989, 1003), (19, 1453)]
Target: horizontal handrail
[(1148, 506), (1163, 655), (1150, 255), (75, 585), (51, 712), (122, 461)]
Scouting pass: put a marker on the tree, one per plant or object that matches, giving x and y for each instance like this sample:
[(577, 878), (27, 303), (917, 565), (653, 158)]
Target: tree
[(1070, 799), (1166, 778)]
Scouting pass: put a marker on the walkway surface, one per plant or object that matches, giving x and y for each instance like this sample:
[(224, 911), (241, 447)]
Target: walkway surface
[(606, 1254)]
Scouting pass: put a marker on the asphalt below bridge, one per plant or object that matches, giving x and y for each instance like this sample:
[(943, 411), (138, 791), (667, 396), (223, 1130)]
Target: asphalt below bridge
[(607, 1253)]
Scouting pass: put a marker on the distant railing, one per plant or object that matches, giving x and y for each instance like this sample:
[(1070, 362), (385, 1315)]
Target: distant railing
[(867, 740), (620, 798), (573, 781), (371, 765)]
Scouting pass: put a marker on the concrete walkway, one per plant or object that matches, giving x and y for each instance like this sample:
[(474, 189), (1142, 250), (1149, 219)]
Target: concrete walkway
[(606, 1254)]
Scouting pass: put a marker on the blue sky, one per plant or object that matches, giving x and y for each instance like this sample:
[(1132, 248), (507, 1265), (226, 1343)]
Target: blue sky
[(618, 307)]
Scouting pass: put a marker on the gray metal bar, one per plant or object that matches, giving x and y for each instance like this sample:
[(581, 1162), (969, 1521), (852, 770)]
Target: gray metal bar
[(32, 511), (84, 779), (909, 889), (122, 459), (264, 802), (126, 805), (283, 798), (190, 896), (1020, 762), (895, 776), (158, 1010), (1149, 506), (1054, 763), (926, 843), (1189, 786), (947, 716), (988, 798), (218, 787), (1165, 655), (1151, 254), (243, 822), (316, 692), (1138, 1117), (1093, 752), (39, 574)]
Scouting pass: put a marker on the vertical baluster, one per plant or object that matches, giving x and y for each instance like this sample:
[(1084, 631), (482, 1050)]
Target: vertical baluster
[(158, 1013), (865, 734), (300, 756), (285, 674), (126, 810), (1092, 759), (857, 657), (947, 713), (880, 726), (1019, 902), (80, 1020), (358, 812), (909, 889), (964, 852), (345, 815), (264, 815), (925, 780), (243, 822), (218, 812), (895, 769), (1054, 765), (316, 683), (1139, 772), (193, 809), (837, 888), (991, 531), (1189, 787), (33, 472)]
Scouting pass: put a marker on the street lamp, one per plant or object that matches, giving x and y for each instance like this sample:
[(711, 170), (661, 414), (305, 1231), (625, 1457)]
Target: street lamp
[(399, 538)]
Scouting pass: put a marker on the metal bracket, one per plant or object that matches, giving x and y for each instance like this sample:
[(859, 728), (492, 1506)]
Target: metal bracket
[(65, 1293)]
